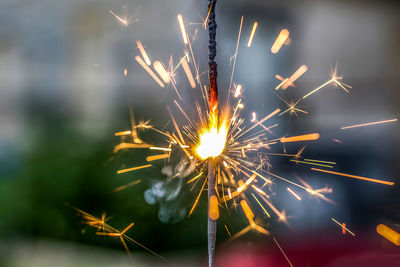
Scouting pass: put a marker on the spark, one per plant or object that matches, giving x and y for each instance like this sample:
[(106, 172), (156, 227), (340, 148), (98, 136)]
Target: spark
[(292, 107), (276, 242), (343, 226), (389, 234), (129, 145), (300, 138), (312, 163), (253, 117), (123, 20), (280, 40), (188, 73), (195, 178), (157, 157), (259, 203), (229, 233), (158, 66), (293, 193), (160, 148), (125, 72), (321, 161), (133, 168), (149, 71), (183, 30), (300, 71), (123, 187), (253, 31), (368, 124), (238, 91), (123, 133), (143, 53), (247, 211), (283, 81), (198, 197), (355, 177), (235, 55), (334, 79)]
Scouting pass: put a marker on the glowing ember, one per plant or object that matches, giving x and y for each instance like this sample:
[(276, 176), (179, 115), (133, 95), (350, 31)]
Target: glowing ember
[(212, 141)]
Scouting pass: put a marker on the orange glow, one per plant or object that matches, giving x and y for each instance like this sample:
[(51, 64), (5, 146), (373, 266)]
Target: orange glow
[(280, 40), (368, 124), (162, 71), (213, 212), (129, 145), (123, 133), (389, 234), (149, 71), (157, 157), (188, 73), (253, 31), (125, 72), (133, 169), (299, 138), (343, 228), (300, 71), (183, 30), (247, 211), (293, 193), (143, 52), (355, 177)]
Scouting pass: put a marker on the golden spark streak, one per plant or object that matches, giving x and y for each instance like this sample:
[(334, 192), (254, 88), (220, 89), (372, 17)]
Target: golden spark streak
[(229, 233), (367, 124), (129, 145), (194, 178), (120, 188), (259, 203), (213, 211), (157, 157), (183, 31), (355, 177), (276, 242), (282, 83), (321, 161), (343, 227), (143, 52), (300, 71), (253, 31), (188, 73), (123, 133), (149, 71), (198, 197), (293, 193), (240, 189), (312, 163), (133, 168), (158, 66), (247, 211), (299, 138), (124, 21), (280, 40), (389, 234), (160, 148)]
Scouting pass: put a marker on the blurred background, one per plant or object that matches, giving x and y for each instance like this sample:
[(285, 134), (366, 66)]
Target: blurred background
[(63, 95)]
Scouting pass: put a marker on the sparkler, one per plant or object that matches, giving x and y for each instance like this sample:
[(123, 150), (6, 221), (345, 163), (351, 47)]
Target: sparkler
[(221, 145)]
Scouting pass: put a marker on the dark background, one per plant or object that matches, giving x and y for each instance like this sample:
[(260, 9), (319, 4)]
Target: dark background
[(63, 95)]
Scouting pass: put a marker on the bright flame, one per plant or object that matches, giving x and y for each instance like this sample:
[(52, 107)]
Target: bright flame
[(212, 141)]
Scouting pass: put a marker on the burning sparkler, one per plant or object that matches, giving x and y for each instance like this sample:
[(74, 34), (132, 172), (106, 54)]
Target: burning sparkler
[(220, 144)]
